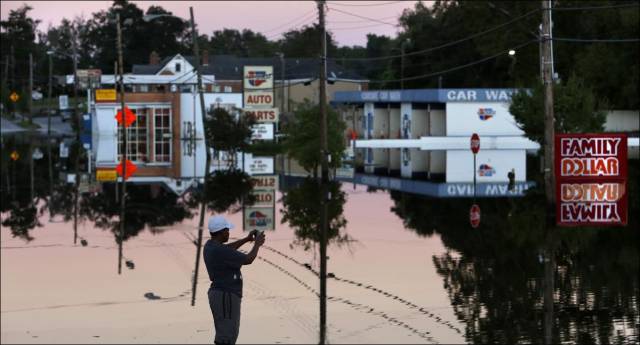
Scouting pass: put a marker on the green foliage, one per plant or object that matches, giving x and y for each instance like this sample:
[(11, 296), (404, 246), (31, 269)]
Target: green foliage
[(302, 207), (303, 137), (576, 109), (305, 42), (228, 189), (245, 43), (226, 132)]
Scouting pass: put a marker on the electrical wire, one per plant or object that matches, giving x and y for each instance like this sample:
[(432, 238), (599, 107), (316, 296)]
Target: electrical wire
[(287, 23), (363, 17), (454, 68), (353, 27), (595, 40), (449, 44), (358, 21), (365, 5), (593, 7), (301, 21)]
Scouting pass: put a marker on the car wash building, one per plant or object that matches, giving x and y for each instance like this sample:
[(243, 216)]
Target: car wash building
[(419, 140)]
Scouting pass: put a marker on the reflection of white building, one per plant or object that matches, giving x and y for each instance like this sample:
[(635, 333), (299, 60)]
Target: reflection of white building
[(419, 140), (425, 135), (166, 142)]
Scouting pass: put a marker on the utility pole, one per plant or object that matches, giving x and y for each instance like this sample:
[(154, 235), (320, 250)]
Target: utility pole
[(547, 64), (203, 208), (49, 54), (549, 178), (123, 160), (282, 67), (324, 174), (30, 88), (79, 127)]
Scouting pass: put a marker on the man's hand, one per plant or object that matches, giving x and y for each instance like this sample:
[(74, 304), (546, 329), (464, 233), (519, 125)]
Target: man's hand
[(252, 235), (260, 237)]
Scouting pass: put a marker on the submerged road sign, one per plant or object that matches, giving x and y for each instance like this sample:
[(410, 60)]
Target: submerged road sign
[(474, 216)]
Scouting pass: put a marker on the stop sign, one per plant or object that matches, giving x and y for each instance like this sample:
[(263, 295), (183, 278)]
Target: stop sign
[(474, 216), (475, 143)]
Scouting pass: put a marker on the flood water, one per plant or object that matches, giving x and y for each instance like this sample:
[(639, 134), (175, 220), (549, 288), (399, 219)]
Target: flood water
[(403, 268)]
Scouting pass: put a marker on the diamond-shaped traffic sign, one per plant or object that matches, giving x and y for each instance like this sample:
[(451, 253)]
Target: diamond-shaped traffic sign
[(129, 117), (14, 97), (14, 155), (130, 169)]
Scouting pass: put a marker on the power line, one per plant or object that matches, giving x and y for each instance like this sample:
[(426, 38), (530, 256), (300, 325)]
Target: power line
[(454, 68), (359, 21), (354, 27), (593, 7), (365, 5), (287, 23), (594, 40), (363, 17), (446, 44), (300, 21)]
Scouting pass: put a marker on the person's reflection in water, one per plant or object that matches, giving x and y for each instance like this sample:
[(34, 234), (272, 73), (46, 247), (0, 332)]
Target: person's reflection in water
[(223, 263)]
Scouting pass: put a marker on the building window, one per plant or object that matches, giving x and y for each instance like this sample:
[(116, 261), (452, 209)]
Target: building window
[(228, 89), (178, 67), (162, 135), (216, 88), (137, 146), (144, 88)]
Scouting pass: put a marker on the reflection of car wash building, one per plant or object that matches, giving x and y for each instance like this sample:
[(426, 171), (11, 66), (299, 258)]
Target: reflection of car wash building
[(424, 135)]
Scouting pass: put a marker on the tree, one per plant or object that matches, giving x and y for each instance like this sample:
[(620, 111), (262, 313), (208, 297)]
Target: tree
[(226, 132), (245, 43), (576, 109), (18, 41), (301, 210), (303, 137), (165, 35), (305, 42)]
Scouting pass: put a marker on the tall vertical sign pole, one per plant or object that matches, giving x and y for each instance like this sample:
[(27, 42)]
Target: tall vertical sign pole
[(123, 159), (474, 212), (196, 52), (325, 174)]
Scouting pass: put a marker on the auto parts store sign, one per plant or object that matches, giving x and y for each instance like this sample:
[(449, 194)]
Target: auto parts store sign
[(591, 179)]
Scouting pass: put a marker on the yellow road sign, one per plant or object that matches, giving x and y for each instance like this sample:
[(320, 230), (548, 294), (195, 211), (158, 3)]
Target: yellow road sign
[(106, 175), (14, 155), (105, 95), (14, 97)]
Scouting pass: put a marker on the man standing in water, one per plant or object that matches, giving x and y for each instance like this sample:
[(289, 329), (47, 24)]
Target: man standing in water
[(223, 263)]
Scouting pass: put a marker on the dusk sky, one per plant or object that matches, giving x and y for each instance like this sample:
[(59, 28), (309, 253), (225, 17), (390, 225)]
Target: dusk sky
[(268, 17)]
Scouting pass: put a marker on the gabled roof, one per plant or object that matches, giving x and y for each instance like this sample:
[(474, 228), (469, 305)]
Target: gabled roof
[(229, 67)]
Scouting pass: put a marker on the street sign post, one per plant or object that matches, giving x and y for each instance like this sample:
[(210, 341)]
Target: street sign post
[(475, 147), (474, 216)]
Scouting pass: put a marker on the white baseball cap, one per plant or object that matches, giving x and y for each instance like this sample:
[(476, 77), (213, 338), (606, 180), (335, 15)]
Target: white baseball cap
[(217, 223)]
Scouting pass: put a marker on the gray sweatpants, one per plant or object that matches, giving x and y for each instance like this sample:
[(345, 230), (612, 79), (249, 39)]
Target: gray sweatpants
[(225, 307)]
